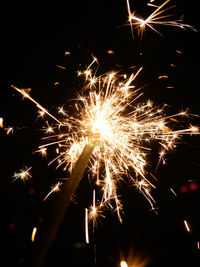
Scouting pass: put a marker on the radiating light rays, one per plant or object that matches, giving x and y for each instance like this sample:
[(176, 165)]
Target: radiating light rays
[(157, 17), (23, 174), (109, 114)]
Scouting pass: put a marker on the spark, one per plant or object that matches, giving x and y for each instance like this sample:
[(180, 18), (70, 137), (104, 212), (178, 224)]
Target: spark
[(48, 129), (156, 17), (42, 151), (170, 87), (33, 234), (123, 264), (23, 175), (61, 67), (55, 188), (86, 227), (110, 115), (179, 52), (110, 52), (163, 76), (9, 130), (187, 226), (1, 122), (67, 53), (95, 211), (198, 245), (171, 189)]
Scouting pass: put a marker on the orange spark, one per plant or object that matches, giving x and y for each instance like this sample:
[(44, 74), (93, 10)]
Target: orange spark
[(110, 52), (163, 76), (153, 176), (61, 67), (33, 234)]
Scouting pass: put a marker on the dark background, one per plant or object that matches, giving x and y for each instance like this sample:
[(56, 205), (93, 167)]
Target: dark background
[(35, 38)]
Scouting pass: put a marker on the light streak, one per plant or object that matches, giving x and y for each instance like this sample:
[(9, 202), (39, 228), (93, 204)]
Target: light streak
[(108, 113), (163, 76), (187, 226), (61, 67), (33, 234), (55, 188), (86, 227), (170, 87), (171, 189), (155, 18), (26, 95), (198, 245), (9, 130)]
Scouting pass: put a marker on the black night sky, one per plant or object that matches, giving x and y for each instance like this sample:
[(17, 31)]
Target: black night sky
[(35, 38)]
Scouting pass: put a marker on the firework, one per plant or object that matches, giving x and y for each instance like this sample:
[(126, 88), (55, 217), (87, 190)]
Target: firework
[(157, 17)]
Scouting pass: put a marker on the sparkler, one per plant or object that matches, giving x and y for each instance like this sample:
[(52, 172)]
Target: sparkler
[(155, 18), (108, 115), (110, 133)]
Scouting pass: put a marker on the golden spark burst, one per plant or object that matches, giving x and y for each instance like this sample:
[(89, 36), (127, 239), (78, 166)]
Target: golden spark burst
[(23, 175), (107, 113), (157, 17)]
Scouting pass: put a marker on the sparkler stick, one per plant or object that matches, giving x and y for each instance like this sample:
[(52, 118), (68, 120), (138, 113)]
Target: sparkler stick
[(60, 207)]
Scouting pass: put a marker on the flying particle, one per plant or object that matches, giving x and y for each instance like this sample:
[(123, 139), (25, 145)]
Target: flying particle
[(110, 52), (33, 234), (163, 76), (1, 122), (187, 226), (67, 53), (61, 67)]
